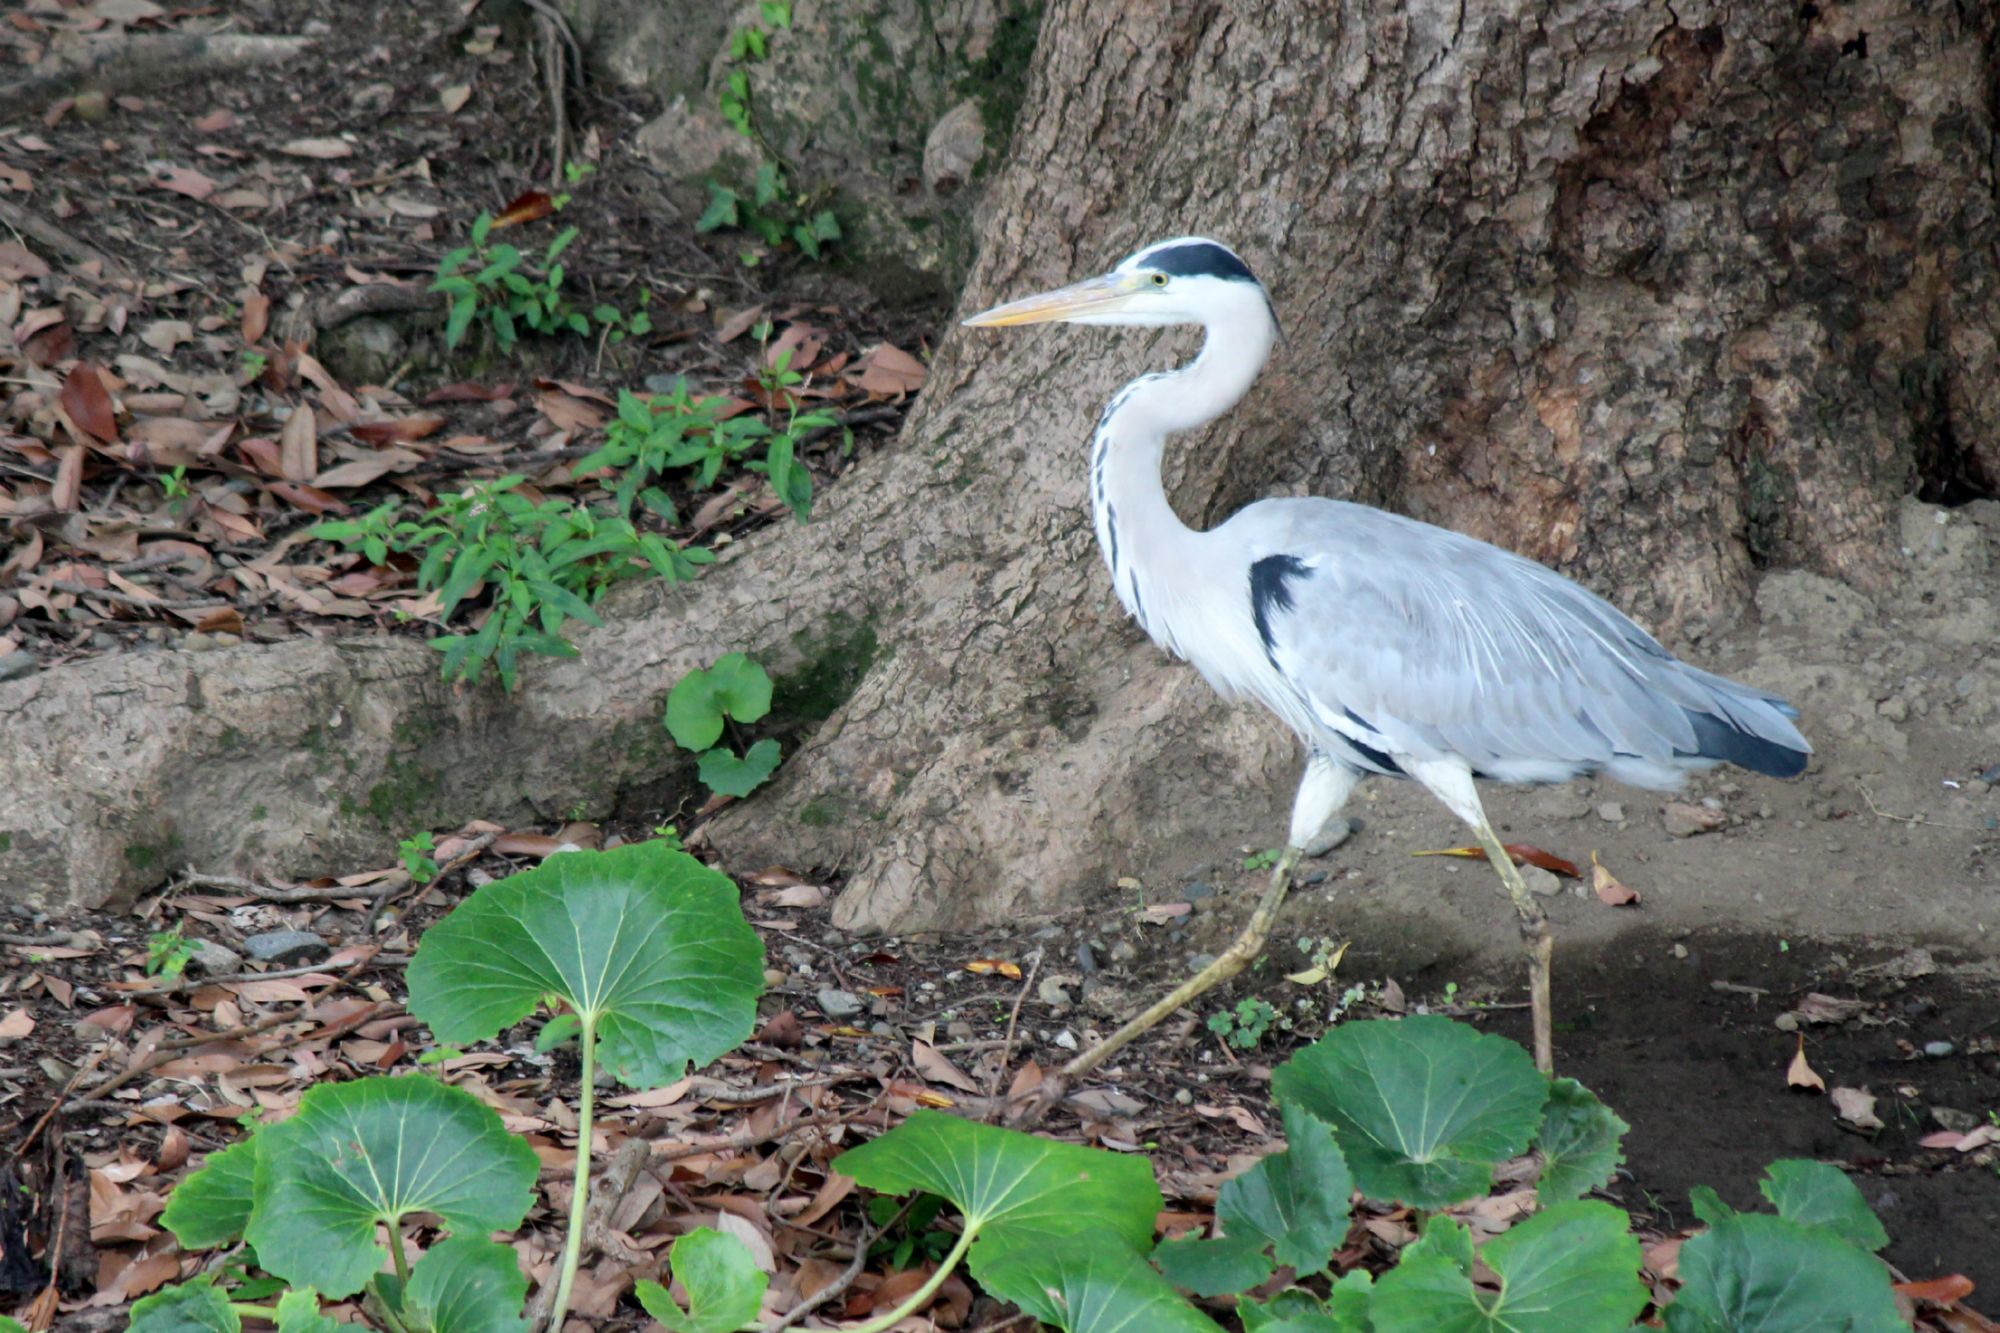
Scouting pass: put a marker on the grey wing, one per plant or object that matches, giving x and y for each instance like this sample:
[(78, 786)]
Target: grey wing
[(1414, 641)]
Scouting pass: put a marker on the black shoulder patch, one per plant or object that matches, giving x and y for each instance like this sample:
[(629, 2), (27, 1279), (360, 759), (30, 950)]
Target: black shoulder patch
[(1200, 259), (1270, 591)]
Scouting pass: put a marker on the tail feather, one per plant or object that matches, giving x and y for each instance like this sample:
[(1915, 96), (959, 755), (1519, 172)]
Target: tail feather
[(1753, 732)]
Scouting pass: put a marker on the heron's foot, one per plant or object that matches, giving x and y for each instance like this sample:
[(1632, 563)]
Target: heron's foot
[(1335, 832)]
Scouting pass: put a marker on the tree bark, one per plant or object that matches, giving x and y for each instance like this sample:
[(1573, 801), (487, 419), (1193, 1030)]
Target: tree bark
[(1657, 295)]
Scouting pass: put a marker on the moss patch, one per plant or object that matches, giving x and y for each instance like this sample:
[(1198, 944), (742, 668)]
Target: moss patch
[(410, 790), (831, 668), (6, 843)]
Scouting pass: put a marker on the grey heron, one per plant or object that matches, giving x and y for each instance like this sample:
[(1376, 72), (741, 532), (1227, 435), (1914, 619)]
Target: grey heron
[(1391, 647)]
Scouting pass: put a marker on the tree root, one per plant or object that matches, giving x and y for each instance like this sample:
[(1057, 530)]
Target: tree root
[(142, 60)]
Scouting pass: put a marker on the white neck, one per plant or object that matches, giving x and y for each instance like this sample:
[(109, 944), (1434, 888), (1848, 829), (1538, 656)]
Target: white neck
[(1143, 540)]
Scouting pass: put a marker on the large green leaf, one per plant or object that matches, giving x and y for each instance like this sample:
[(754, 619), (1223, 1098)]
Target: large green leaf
[(1295, 1310), (1001, 1178), (1579, 1143), (374, 1151), (192, 1307), (1572, 1269), (723, 772), (725, 1287), (1296, 1200), (212, 1206), (1423, 1108), (1221, 1267), (1090, 1288), (467, 1284), (1819, 1194), (646, 942), (1753, 1273)]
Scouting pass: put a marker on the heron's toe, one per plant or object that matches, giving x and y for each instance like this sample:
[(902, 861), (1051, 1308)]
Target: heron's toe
[(1331, 836)]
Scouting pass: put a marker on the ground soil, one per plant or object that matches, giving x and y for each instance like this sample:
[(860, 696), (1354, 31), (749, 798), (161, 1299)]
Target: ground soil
[(1667, 1008)]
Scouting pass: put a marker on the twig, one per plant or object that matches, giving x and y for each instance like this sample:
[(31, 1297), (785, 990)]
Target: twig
[(1924, 820), (715, 1090), (751, 1138), (263, 892), (127, 599), (1007, 1043), (375, 298), (187, 982), (40, 941), (839, 1285), (470, 853), (52, 237)]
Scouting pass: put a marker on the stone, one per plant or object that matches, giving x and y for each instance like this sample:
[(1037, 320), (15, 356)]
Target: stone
[(287, 948), (1540, 882), (1611, 812), (214, 960), (363, 351), (838, 1004), (17, 664), (1686, 821), (684, 142), (1053, 993)]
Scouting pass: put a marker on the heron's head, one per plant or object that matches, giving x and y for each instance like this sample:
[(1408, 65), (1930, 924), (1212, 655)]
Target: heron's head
[(1188, 280)]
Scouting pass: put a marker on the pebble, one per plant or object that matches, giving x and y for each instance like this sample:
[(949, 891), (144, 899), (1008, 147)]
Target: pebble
[(1316, 877), (1540, 881), (1937, 1050), (958, 1030), (1955, 1120), (1124, 951), (1066, 1039), (287, 948), (1197, 961), (1686, 821), (1611, 812), (1086, 958), (1195, 890), (837, 1003), (17, 664), (1183, 1097), (1053, 993), (1978, 787), (1680, 951), (212, 959)]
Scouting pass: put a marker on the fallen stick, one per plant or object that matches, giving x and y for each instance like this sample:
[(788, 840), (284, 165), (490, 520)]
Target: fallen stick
[(142, 60)]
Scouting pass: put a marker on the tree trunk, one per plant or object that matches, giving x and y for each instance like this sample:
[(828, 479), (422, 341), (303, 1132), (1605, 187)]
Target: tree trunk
[(1657, 296)]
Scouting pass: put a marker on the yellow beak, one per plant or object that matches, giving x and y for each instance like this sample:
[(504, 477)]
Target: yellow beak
[(1093, 296)]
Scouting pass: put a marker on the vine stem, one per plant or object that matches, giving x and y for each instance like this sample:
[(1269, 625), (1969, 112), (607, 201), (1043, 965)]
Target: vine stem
[(925, 1292), (580, 1201)]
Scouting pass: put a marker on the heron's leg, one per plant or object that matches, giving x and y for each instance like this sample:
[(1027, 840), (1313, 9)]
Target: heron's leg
[(1535, 934), (1322, 791), (1451, 782)]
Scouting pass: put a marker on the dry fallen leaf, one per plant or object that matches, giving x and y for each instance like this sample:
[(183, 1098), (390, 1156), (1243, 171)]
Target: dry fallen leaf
[(1160, 914), (1609, 888), (1962, 1142), (1800, 1074), (16, 1025), (987, 966), (88, 403), (1938, 1290), (319, 148), (1523, 854), (1856, 1108), (298, 446), (938, 1068)]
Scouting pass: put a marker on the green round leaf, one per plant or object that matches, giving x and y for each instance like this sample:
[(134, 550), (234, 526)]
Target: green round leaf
[(646, 942), (1003, 1179), (1818, 1194), (373, 1151), (1753, 1273), (1296, 1201), (725, 1287), (1295, 1310), (722, 772), (1099, 1287), (212, 1206), (1572, 1269), (192, 1307), (1579, 1142), (468, 1284), (1423, 1108), (734, 686)]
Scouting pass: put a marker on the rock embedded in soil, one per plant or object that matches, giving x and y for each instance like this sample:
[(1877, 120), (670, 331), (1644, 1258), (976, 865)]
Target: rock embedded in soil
[(836, 1003), (214, 960), (287, 948), (1685, 821), (17, 664)]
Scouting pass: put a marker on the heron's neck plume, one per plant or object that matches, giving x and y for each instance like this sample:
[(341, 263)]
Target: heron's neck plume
[(1143, 539)]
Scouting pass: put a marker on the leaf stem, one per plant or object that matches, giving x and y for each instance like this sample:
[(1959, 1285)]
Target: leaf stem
[(396, 1255), (928, 1290), (580, 1200)]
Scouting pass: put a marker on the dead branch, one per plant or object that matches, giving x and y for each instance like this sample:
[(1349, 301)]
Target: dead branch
[(270, 893), (375, 298), (53, 238), (137, 61)]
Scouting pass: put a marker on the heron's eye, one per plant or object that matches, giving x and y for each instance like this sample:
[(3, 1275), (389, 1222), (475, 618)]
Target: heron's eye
[(1159, 279)]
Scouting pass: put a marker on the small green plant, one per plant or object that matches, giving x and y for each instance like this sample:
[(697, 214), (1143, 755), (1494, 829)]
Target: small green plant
[(168, 952), (1245, 1025), (748, 46), (415, 852), (174, 485), (917, 1238), (656, 969), (772, 212), (615, 326), (734, 689), (492, 283), (253, 363), (546, 563), (1263, 860)]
